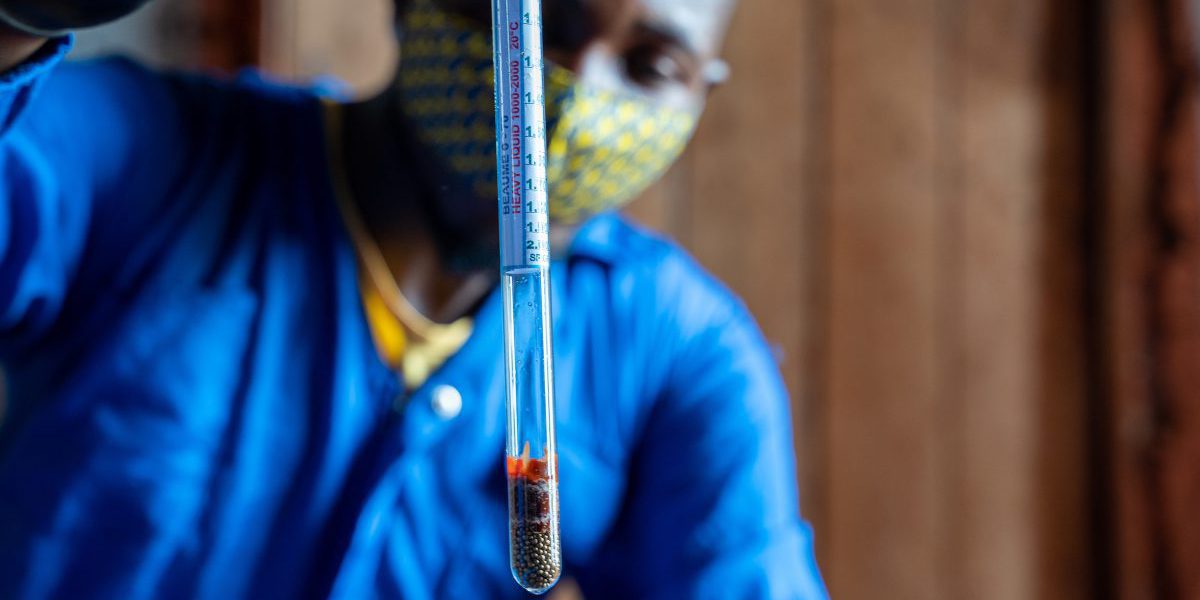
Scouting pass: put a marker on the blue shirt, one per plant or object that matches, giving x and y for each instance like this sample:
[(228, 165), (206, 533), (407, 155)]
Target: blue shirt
[(196, 408)]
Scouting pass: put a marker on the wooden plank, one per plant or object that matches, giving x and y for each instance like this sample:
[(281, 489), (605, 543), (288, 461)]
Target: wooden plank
[(887, 332), (229, 34), (997, 362), (813, 398), (1174, 324), (1021, 477), (351, 40), (1062, 522), (1134, 95)]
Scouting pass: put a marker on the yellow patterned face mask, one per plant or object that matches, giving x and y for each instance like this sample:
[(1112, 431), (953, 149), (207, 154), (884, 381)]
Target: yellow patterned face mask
[(604, 147)]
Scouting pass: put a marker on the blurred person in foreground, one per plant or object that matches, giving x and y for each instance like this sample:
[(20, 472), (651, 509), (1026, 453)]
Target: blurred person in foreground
[(214, 395)]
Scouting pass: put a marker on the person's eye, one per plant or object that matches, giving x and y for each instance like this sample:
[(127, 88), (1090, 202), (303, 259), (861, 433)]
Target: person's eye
[(652, 67)]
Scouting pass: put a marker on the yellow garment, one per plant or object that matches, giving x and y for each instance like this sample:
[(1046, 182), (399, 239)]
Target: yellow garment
[(416, 358)]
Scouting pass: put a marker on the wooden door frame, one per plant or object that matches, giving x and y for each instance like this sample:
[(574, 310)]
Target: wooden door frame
[(1149, 308), (231, 33)]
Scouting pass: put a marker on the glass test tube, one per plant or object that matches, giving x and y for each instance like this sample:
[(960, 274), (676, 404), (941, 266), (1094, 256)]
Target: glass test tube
[(531, 458)]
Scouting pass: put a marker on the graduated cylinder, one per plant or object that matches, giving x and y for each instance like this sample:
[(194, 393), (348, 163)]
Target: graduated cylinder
[(531, 459)]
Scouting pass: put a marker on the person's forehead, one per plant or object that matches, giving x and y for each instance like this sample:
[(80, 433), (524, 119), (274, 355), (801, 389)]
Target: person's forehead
[(701, 23)]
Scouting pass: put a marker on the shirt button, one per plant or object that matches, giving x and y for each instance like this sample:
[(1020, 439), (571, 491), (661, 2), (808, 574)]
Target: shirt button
[(447, 401)]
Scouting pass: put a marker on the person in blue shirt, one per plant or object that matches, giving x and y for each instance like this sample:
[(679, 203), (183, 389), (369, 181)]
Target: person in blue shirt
[(254, 349)]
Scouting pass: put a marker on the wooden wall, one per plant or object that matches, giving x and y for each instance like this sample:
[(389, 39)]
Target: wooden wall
[(1151, 292), (906, 173), (893, 187)]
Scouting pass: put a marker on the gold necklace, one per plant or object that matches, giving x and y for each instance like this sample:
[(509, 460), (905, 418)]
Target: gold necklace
[(368, 251)]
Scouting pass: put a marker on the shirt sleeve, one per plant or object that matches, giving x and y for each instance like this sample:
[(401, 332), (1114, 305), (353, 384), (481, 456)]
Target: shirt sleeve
[(713, 508), (87, 153), (19, 222)]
